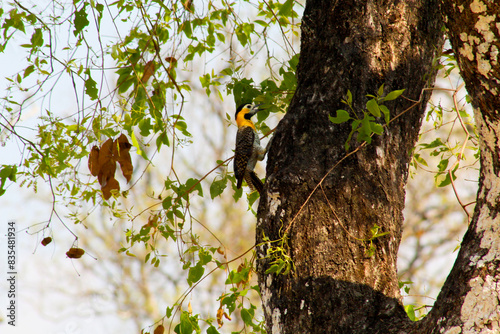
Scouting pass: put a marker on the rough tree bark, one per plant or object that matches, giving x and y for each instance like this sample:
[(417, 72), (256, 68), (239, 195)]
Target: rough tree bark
[(469, 301), (336, 286)]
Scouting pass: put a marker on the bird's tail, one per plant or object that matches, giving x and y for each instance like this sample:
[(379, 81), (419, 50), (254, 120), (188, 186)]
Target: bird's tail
[(254, 182)]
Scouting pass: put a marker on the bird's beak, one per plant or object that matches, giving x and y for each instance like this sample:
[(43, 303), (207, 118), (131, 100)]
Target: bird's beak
[(255, 108)]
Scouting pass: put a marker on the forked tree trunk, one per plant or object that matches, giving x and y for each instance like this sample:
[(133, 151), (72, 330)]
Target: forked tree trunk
[(327, 203)]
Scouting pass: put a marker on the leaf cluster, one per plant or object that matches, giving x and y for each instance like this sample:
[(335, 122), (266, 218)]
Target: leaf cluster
[(369, 123)]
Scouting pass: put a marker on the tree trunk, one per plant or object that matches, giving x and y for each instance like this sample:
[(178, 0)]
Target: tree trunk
[(470, 299), (325, 202), (337, 286)]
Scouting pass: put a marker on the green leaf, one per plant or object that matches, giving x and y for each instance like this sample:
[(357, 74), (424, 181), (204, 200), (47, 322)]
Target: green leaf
[(80, 21), (212, 330), (7, 172), (373, 107), (186, 28), (145, 126), (289, 81), (386, 112), (365, 130), (182, 126), (217, 187), (272, 269), (378, 235), (247, 316), (37, 38), (443, 179), (435, 143), (294, 61), (380, 90), (252, 197), (195, 273), (185, 327), (195, 184), (377, 128), (242, 37), (262, 23), (221, 37), (162, 140), (286, 9), (169, 311), (410, 310), (100, 8), (205, 257), (342, 117), (90, 86), (420, 160), (28, 70), (443, 164), (349, 97), (393, 95)]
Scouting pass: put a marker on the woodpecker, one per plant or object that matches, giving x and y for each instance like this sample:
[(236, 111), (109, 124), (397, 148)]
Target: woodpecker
[(248, 149)]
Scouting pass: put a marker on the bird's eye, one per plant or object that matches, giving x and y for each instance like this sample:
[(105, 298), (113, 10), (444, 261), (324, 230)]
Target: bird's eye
[(249, 106)]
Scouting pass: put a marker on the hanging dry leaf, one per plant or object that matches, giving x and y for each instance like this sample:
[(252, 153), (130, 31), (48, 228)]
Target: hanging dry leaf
[(123, 156), (112, 184), (220, 314), (106, 173), (159, 330), (107, 165), (171, 60), (149, 70), (46, 241), (102, 163), (153, 221), (94, 161), (75, 253), (106, 152)]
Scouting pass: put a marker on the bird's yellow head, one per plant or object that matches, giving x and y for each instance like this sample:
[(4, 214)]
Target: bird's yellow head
[(244, 113)]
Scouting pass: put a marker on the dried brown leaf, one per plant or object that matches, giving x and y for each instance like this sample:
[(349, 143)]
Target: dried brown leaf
[(159, 330), (123, 156), (107, 165), (75, 253), (46, 241), (149, 70), (94, 161), (102, 163), (106, 172), (171, 60), (123, 143), (220, 314), (112, 184), (106, 152)]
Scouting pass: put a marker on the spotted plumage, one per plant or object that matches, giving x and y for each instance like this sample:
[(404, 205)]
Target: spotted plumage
[(248, 149)]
